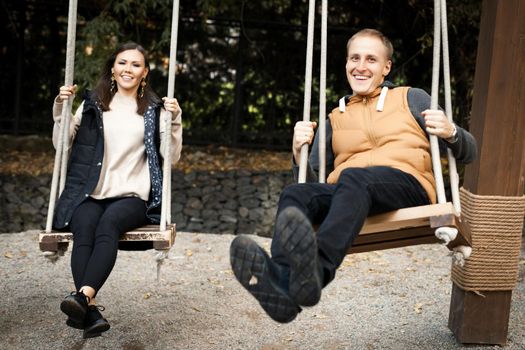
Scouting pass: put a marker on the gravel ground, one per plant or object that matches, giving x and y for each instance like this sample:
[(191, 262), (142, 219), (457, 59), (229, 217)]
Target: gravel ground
[(395, 299)]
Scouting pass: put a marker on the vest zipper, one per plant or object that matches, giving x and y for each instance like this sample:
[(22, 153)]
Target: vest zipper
[(369, 129)]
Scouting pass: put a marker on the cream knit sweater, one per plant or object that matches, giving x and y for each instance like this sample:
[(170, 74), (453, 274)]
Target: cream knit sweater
[(124, 169)]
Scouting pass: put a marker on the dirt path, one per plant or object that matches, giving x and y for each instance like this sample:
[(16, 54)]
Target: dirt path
[(396, 299)]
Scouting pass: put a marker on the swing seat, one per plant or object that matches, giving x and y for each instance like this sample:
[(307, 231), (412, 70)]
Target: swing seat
[(410, 226), (143, 238)]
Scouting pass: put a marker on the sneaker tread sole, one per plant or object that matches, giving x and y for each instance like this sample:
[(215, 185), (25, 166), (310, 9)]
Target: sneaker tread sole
[(250, 266), (297, 240)]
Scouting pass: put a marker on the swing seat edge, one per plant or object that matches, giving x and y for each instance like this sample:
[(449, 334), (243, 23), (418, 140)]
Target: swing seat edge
[(161, 240)]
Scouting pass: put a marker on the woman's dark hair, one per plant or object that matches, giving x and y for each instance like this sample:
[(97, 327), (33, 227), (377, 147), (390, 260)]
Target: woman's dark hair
[(102, 91)]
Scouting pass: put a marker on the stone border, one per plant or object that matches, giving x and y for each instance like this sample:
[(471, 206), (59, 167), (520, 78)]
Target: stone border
[(233, 202)]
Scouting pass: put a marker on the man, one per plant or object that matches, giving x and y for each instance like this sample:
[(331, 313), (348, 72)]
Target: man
[(378, 160)]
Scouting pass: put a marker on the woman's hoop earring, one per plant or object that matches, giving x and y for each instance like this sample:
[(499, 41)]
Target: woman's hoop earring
[(142, 87), (113, 87)]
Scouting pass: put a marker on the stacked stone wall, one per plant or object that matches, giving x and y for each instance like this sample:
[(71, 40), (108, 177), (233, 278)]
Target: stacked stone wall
[(234, 202)]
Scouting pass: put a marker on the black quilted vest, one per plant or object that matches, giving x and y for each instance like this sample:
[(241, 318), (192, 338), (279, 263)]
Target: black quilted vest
[(86, 157)]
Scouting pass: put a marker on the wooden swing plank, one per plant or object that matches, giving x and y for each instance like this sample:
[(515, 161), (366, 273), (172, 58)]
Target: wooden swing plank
[(149, 233), (405, 238), (398, 235), (408, 217), (408, 226)]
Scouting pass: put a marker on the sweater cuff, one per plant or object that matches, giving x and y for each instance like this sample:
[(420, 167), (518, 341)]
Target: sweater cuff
[(57, 110), (454, 138)]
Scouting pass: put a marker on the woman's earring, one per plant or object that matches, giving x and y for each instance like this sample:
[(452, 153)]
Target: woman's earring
[(142, 87), (113, 88)]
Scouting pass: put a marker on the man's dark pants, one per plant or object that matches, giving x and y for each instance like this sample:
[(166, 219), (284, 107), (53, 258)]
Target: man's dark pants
[(340, 210)]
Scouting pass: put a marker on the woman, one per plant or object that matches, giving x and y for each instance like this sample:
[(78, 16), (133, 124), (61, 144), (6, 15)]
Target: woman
[(114, 180)]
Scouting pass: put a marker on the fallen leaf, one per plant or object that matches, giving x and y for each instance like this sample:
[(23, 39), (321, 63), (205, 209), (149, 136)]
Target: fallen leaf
[(147, 295), (214, 280), (8, 255), (418, 308)]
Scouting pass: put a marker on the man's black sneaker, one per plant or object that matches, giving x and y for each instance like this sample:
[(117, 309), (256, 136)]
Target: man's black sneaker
[(256, 272), (296, 237)]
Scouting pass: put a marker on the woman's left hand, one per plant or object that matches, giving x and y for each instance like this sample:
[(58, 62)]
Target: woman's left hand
[(171, 105)]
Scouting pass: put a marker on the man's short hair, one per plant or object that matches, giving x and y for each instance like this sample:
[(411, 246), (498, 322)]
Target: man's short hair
[(373, 33)]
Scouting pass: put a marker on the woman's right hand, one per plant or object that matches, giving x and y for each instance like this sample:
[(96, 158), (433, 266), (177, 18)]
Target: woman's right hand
[(303, 132), (66, 92)]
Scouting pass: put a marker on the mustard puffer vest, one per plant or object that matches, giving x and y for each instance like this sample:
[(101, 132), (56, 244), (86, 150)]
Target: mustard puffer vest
[(364, 137)]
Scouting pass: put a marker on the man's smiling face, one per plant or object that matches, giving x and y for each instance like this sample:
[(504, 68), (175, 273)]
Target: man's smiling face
[(367, 64)]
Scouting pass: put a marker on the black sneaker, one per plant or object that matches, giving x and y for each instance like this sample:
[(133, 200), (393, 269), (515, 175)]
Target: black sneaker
[(95, 324), (253, 269), (297, 240), (73, 324), (75, 307)]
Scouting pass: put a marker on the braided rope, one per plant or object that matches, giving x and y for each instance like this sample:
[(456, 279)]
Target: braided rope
[(452, 169), (496, 224), (434, 145), (322, 93), (165, 211), (60, 166), (303, 161)]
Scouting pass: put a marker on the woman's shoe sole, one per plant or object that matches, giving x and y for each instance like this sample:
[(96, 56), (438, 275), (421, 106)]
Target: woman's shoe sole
[(73, 310), (96, 330)]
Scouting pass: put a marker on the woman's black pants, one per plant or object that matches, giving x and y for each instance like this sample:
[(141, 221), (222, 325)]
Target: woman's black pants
[(96, 226)]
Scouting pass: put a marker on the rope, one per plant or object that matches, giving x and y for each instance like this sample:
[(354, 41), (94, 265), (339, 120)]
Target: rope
[(496, 224), (159, 258), (434, 145), (452, 169), (307, 87), (53, 256), (62, 146), (322, 94), (165, 217), (66, 108)]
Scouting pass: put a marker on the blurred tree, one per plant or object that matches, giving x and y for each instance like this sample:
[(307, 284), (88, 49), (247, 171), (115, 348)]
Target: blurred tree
[(240, 64)]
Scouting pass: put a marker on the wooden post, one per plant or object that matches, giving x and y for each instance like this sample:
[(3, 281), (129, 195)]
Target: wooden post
[(498, 124)]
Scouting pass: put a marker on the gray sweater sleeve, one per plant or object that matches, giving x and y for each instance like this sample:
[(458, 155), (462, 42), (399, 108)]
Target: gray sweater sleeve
[(464, 148)]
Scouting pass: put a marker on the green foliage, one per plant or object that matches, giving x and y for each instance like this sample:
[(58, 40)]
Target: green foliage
[(240, 64)]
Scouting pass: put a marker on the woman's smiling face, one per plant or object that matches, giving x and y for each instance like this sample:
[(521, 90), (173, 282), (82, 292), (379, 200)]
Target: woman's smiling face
[(129, 69)]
